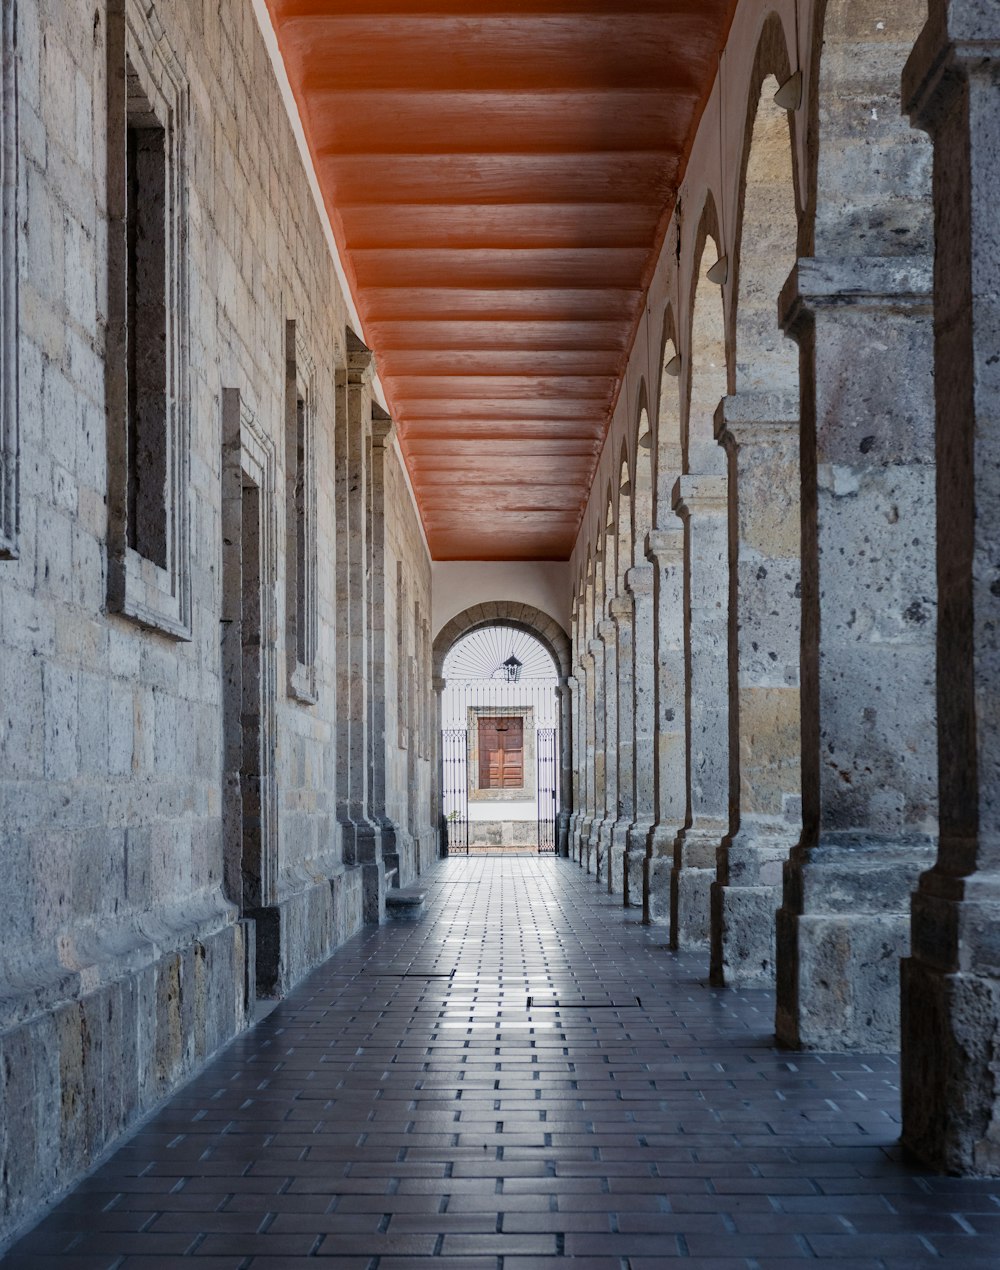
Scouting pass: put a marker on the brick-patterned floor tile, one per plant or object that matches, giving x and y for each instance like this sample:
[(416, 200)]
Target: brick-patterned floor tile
[(524, 1077)]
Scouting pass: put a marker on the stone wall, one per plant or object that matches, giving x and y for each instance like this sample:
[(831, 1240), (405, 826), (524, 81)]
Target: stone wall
[(409, 743), (128, 957)]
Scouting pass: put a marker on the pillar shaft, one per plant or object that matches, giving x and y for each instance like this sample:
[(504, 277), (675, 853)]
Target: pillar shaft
[(951, 983), (760, 433), (665, 548), (608, 798), (640, 583), (623, 617), (868, 619), (701, 503)]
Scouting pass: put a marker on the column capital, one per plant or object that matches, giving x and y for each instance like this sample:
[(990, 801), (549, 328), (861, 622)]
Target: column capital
[(694, 494), (665, 546), (621, 609), (381, 427), (639, 580), (595, 649), (873, 283), (607, 632), (438, 684), (359, 360), (756, 418), (959, 38)]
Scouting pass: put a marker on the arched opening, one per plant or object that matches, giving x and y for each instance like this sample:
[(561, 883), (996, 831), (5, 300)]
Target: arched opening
[(668, 442), (642, 488), (766, 360), (504, 661), (709, 379)]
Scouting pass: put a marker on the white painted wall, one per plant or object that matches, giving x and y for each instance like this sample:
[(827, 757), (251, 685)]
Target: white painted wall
[(458, 585)]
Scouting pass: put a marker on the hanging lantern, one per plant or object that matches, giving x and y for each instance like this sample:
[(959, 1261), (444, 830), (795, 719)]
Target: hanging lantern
[(511, 669)]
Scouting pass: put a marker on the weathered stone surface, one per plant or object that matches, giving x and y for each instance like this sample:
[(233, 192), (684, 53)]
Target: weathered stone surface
[(951, 983), (869, 614), (760, 432), (701, 502)]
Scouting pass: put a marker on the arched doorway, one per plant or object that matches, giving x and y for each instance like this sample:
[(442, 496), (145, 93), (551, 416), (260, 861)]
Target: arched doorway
[(499, 743), (479, 670)]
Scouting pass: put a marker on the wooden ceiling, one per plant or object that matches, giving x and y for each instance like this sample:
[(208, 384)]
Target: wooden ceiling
[(499, 175)]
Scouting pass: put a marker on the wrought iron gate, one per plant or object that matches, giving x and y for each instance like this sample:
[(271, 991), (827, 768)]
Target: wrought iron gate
[(455, 765), (545, 753)]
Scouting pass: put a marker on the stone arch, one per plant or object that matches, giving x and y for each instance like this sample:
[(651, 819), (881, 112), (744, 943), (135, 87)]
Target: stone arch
[(708, 361), (506, 613), (624, 528), (642, 478), (667, 451), (767, 227)]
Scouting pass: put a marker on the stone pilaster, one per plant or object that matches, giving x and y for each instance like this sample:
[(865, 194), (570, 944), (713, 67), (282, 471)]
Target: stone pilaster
[(760, 433), (608, 637), (951, 983), (380, 441), (362, 840), (701, 503), (665, 548), (623, 617), (639, 583), (863, 325)]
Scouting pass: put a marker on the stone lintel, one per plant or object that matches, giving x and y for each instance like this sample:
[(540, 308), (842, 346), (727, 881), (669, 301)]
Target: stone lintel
[(694, 494), (639, 580), (665, 546), (959, 38), (761, 417), (878, 283)]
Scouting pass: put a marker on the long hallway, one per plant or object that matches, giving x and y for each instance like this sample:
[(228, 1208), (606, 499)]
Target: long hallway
[(516, 1080)]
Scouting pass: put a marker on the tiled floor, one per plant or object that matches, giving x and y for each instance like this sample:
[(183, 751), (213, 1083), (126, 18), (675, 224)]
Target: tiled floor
[(519, 1080)]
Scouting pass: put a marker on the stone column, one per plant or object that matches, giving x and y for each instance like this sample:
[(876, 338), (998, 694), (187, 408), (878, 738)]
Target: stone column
[(869, 763), (623, 616), (598, 723), (639, 582), (362, 843), (566, 800), (760, 433), (587, 757), (608, 637), (665, 548), (702, 504), (951, 983), (380, 443)]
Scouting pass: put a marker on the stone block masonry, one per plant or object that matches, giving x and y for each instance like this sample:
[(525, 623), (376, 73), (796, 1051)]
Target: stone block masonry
[(130, 779)]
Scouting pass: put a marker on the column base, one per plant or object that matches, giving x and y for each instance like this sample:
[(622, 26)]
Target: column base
[(694, 872), (658, 869), (742, 939), (600, 837), (616, 857), (841, 932), (950, 1024), (634, 864), (744, 903)]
